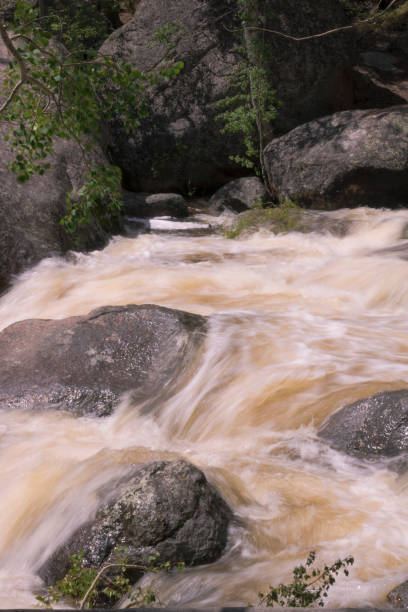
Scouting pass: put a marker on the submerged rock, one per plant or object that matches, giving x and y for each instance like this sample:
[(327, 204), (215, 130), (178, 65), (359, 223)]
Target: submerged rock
[(372, 428), (84, 364), (239, 195), (352, 158), (398, 597), (161, 507)]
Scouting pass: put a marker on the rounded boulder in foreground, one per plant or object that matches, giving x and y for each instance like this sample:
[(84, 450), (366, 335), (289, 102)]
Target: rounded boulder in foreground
[(165, 507)]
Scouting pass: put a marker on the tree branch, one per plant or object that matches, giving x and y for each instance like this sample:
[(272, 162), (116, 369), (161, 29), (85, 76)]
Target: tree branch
[(14, 51), (11, 96), (103, 569), (320, 34), (32, 42)]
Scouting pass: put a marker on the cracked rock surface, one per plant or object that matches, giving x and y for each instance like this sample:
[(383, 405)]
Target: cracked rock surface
[(165, 507), (84, 364)]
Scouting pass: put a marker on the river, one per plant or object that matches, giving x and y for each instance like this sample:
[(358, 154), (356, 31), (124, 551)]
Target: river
[(300, 325)]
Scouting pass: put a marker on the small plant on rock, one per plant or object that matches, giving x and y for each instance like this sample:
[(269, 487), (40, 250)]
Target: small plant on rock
[(279, 219), (89, 587)]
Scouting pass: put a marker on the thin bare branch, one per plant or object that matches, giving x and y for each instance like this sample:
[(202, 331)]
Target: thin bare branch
[(319, 34), (14, 51), (11, 96), (103, 569)]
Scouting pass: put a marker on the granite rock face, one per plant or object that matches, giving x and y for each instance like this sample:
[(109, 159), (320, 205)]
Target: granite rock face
[(373, 428), (352, 158), (179, 146), (30, 212), (161, 507), (84, 364)]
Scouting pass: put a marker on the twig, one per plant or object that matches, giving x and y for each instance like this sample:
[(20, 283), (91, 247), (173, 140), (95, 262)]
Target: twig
[(320, 34), (11, 96), (103, 569), (32, 42)]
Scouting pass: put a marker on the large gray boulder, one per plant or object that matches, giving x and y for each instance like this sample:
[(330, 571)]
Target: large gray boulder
[(373, 428), (352, 158), (30, 213), (84, 364), (179, 146), (160, 507)]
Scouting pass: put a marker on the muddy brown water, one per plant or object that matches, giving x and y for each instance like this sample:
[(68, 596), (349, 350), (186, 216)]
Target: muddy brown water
[(301, 324)]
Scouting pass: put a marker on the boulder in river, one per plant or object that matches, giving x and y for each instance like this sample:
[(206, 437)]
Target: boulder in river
[(352, 158), (154, 205), (398, 597), (372, 428), (84, 364), (239, 195), (161, 507)]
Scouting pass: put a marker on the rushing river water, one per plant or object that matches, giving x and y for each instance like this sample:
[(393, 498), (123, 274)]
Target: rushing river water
[(301, 324)]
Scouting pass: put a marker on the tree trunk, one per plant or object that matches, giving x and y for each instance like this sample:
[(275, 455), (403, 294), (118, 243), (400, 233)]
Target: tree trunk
[(255, 60)]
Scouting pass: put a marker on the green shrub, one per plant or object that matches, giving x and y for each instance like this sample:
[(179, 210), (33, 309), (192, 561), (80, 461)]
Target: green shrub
[(89, 587), (309, 585), (279, 219)]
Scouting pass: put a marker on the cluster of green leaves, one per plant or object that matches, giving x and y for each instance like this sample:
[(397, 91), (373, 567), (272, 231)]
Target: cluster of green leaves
[(73, 586), (248, 83), (87, 587), (102, 185), (252, 104), (279, 219), (82, 24), (309, 586), (59, 94)]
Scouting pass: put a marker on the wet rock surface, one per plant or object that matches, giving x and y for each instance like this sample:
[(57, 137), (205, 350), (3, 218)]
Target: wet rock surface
[(352, 158), (238, 195), (84, 364), (161, 507), (398, 597), (154, 205), (372, 428)]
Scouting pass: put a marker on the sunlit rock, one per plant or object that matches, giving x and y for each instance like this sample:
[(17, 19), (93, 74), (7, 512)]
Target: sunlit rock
[(372, 428), (352, 158), (161, 507), (84, 364)]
